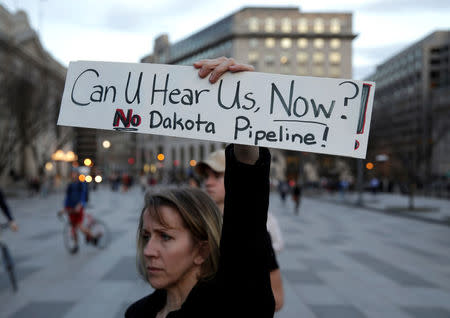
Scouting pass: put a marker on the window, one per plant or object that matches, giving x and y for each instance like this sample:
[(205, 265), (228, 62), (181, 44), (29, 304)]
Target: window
[(302, 25), (318, 57), (182, 157), (335, 26), (319, 43), (270, 25), (286, 69), (253, 24), (335, 71), (286, 43), (302, 70), (302, 57), (270, 43), (253, 43), (269, 59), (334, 58), (319, 25), (253, 57), (335, 43), (286, 26), (284, 59), (302, 43), (318, 70)]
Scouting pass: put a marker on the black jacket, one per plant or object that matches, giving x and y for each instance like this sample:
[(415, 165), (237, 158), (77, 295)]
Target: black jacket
[(241, 287)]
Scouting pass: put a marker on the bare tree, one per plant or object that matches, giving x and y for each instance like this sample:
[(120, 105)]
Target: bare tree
[(31, 100)]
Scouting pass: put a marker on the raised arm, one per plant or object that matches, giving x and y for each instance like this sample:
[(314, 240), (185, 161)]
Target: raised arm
[(215, 68), (243, 275)]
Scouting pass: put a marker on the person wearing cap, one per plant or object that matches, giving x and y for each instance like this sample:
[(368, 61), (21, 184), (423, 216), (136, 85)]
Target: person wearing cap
[(212, 170)]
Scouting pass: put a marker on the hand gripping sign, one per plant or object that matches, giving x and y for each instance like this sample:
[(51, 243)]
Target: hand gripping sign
[(312, 114)]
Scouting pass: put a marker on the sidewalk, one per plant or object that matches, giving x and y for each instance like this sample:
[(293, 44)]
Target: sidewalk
[(427, 209)]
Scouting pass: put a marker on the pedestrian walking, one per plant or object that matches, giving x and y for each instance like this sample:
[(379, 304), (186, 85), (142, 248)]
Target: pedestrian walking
[(180, 230), (283, 189), (212, 171), (5, 209), (296, 197), (374, 185)]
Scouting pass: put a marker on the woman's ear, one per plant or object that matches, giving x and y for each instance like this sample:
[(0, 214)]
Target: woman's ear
[(202, 253)]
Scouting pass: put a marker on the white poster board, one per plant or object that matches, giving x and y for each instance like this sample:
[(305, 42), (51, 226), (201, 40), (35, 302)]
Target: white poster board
[(312, 114)]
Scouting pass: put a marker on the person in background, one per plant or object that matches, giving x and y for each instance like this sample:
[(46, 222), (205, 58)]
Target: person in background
[(143, 181), (297, 197), (193, 182), (212, 171), (283, 188), (74, 204), (12, 224)]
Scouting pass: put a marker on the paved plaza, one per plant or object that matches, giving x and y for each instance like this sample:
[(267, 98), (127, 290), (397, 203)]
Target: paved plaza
[(338, 261)]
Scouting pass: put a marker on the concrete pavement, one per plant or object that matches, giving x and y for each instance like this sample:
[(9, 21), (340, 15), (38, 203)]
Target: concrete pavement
[(337, 262), (427, 209)]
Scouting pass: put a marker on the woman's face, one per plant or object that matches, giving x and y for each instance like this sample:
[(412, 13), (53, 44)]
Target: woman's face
[(170, 255)]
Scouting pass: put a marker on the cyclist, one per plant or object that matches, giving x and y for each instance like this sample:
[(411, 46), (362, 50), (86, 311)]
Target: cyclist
[(75, 201), (12, 224)]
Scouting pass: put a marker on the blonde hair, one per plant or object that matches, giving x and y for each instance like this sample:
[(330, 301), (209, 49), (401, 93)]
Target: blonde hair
[(200, 215)]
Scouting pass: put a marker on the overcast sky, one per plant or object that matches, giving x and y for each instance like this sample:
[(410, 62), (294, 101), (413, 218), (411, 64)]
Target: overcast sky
[(124, 30)]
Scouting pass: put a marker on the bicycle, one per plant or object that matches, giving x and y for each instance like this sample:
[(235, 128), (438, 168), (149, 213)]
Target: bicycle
[(8, 261), (100, 232)]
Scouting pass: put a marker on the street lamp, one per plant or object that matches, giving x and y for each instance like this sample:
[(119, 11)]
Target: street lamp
[(58, 155), (106, 144), (87, 162), (49, 166)]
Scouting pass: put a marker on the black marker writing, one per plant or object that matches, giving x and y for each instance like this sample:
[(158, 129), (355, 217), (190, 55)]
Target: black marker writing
[(300, 106), (98, 95), (176, 122), (236, 100), (136, 95), (242, 125), (189, 96)]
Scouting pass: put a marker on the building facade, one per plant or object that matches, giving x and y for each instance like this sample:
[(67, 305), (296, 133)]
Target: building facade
[(31, 87), (280, 40), (411, 114)]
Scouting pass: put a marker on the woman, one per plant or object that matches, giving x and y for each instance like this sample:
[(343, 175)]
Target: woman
[(178, 239)]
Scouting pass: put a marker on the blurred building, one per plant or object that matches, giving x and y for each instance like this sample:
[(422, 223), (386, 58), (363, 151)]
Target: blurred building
[(31, 87), (411, 114), (280, 40)]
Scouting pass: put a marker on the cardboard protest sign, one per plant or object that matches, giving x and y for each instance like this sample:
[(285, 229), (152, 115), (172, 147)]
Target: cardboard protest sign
[(323, 115)]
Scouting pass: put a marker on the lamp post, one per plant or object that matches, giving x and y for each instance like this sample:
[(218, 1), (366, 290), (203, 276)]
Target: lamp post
[(62, 156), (360, 181), (106, 144)]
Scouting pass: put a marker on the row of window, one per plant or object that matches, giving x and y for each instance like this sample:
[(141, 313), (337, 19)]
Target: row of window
[(299, 69), (334, 58), (218, 50), (301, 43), (187, 153), (288, 25)]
